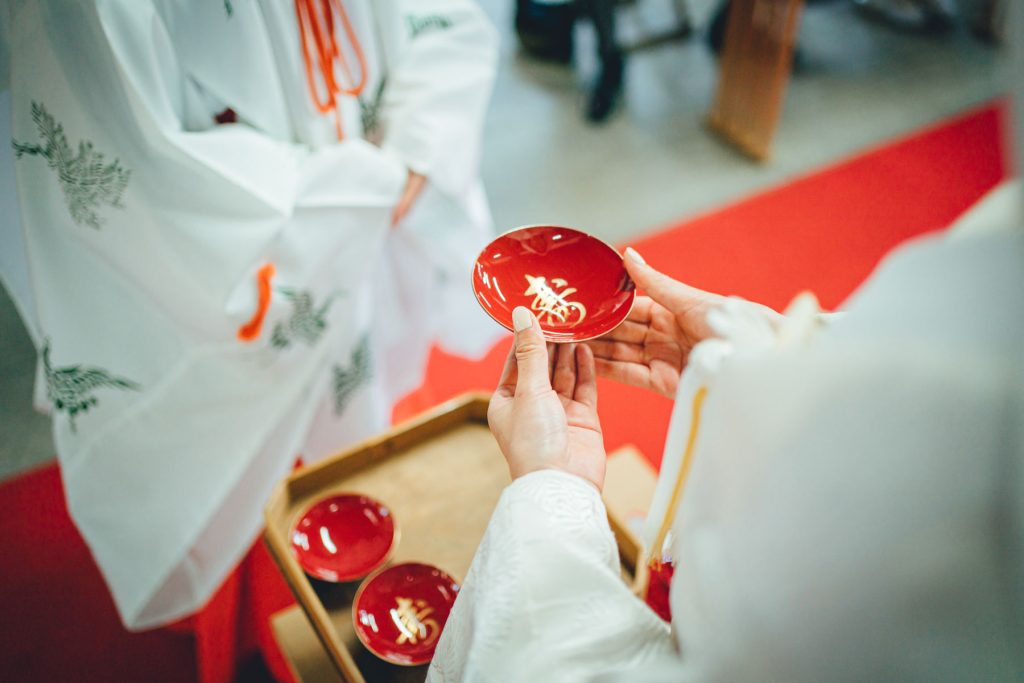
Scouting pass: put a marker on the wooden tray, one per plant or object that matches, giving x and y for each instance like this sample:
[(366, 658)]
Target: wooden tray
[(441, 474)]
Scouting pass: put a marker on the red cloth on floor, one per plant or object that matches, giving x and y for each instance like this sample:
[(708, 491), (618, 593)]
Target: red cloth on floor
[(235, 623), (59, 619)]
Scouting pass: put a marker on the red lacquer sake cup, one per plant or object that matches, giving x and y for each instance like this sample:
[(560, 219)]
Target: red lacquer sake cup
[(399, 612), (344, 537), (574, 283)]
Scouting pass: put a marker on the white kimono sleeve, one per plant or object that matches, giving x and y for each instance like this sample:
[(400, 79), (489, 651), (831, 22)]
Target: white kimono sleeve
[(544, 598), (273, 172), (442, 64)]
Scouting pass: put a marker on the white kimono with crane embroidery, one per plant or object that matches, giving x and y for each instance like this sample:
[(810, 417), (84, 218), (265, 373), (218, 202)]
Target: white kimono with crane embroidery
[(170, 163)]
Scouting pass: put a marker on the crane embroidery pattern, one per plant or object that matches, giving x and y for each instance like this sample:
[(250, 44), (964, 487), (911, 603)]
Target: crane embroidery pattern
[(306, 324), (411, 619), (70, 388), (369, 109), (427, 22), (87, 181), (347, 380), (552, 305)]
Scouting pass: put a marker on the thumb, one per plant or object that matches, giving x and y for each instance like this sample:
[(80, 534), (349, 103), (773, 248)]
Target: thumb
[(531, 353), (671, 294)]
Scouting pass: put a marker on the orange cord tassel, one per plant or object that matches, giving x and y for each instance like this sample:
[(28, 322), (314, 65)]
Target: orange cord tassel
[(251, 330), (317, 27)]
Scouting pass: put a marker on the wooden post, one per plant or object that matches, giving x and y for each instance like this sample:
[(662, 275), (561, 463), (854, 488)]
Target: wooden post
[(755, 64)]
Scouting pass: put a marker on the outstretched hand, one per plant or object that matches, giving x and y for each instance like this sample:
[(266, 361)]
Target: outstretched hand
[(651, 347), (544, 411)]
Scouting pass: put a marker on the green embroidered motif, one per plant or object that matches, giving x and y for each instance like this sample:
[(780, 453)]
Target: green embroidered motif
[(306, 323), (228, 8), (86, 180), (347, 380), (370, 110), (419, 24), (70, 388)]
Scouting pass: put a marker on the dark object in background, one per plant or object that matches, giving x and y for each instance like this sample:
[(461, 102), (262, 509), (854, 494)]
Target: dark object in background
[(545, 31), (716, 29), (915, 16), (607, 88), (226, 116), (988, 21)]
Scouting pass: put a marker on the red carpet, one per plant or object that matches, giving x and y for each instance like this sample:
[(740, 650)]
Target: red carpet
[(823, 232)]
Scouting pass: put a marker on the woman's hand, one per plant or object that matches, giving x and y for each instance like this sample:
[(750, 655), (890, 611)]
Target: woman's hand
[(414, 184), (544, 412), (650, 348)]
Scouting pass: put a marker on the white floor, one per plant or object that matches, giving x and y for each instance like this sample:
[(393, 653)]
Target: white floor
[(654, 162)]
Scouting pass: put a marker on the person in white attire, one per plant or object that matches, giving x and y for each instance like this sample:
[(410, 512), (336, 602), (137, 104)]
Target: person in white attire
[(244, 224), (854, 509)]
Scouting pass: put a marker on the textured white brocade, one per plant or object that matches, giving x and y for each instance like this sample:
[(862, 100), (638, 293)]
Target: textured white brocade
[(547, 572)]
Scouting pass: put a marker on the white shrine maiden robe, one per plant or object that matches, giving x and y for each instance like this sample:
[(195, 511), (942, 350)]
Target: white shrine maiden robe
[(855, 510), (147, 223)]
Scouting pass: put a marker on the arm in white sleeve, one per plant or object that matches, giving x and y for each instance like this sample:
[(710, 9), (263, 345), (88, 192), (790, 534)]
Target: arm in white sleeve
[(544, 598), (223, 196), (146, 105), (443, 59)]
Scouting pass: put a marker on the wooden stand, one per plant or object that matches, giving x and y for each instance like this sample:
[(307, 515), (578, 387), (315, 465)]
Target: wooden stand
[(755, 65), (306, 657)]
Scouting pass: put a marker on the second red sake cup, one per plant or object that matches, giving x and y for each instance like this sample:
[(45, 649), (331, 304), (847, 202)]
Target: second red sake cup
[(399, 612), (344, 537)]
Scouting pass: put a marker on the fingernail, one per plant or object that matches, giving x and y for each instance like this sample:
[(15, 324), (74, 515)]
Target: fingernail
[(521, 318), (632, 253)]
